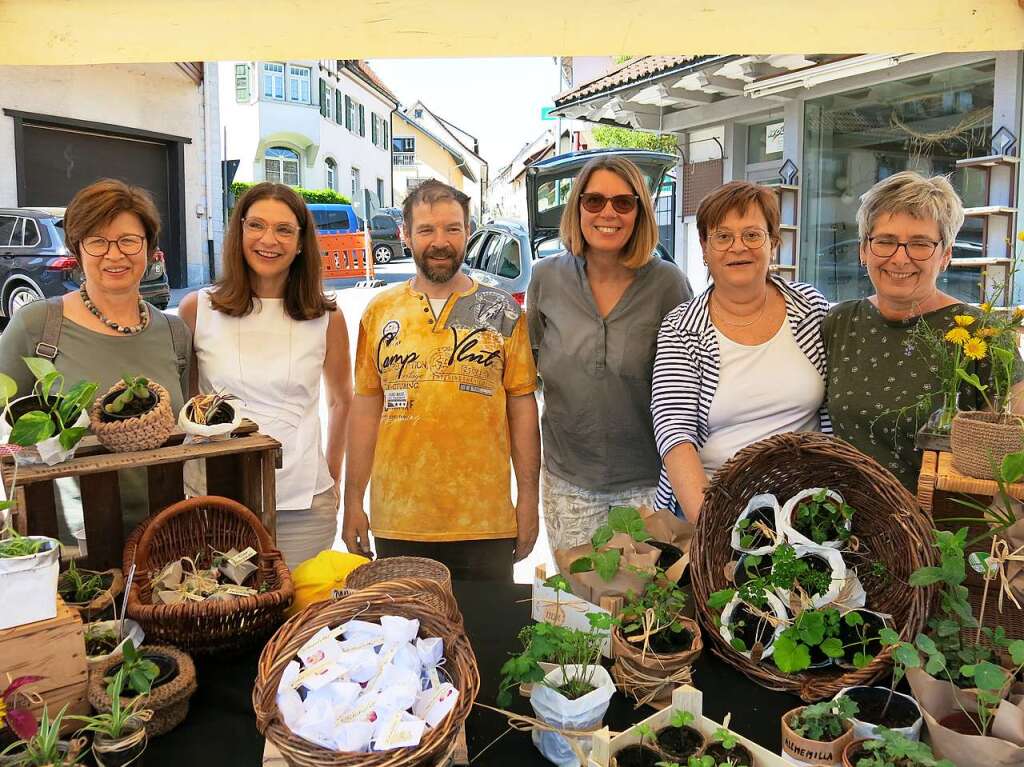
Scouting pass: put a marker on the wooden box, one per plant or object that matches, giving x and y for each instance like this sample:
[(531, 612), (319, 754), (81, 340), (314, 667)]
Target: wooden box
[(55, 650), (685, 698)]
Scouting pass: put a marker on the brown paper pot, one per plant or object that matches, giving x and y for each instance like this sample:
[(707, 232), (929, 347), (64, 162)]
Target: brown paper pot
[(981, 440), (812, 751), (637, 673), (92, 610), (591, 587), (937, 700)]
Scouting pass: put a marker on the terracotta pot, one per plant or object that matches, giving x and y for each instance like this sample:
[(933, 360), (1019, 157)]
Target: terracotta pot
[(807, 751)]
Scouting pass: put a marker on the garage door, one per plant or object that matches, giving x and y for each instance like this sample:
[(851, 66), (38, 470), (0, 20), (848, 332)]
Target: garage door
[(58, 162)]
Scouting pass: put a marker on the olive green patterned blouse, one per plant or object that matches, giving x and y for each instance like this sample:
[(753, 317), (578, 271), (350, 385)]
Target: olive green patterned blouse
[(875, 379)]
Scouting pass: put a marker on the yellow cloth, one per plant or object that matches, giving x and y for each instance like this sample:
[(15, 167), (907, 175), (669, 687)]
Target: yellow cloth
[(441, 469), (322, 578)]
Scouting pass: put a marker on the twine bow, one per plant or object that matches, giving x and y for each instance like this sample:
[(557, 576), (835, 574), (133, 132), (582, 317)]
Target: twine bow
[(995, 567), (523, 723), (644, 687)]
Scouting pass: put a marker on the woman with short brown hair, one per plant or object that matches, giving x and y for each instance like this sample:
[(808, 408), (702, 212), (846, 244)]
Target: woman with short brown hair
[(741, 362), (267, 333)]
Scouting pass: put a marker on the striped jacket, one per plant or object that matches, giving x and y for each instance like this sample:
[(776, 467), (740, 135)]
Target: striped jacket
[(686, 369)]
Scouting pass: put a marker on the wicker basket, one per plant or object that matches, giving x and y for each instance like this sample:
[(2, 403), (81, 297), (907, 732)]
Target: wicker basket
[(169, 702), (888, 524), (144, 432), (981, 440), (93, 609), (393, 568), (195, 526), (439, 599), (281, 649)]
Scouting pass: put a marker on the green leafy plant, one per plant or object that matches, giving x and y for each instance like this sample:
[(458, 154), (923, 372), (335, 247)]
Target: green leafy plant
[(998, 515), (824, 721), (896, 749), (15, 545), (139, 672), (75, 586), (136, 389), (99, 641), (821, 518), (681, 718), (643, 731), (655, 613), (238, 188), (863, 640), (57, 410), (122, 718), (605, 561), (21, 721), (44, 749), (810, 629)]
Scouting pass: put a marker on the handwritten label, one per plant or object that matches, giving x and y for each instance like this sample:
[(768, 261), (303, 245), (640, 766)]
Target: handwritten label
[(243, 556)]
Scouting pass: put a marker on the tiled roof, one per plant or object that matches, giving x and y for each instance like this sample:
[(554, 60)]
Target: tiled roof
[(628, 72), (362, 68)]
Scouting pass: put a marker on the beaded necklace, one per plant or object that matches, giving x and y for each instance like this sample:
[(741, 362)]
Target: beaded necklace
[(129, 330)]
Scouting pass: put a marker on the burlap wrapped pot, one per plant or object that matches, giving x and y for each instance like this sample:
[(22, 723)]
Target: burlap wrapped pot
[(649, 677), (144, 432), (981, 440)]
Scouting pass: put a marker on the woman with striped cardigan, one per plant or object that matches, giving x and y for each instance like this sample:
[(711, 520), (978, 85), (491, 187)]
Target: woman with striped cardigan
[(740, 362)]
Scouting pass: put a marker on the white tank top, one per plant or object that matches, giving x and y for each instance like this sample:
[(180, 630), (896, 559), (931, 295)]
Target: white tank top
[(274, 365)]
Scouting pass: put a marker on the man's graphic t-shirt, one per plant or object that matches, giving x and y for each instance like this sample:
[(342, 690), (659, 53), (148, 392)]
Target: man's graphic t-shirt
[(441, 470)]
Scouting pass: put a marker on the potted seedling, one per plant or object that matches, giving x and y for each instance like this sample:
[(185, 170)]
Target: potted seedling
[(89, 592), (208, 417), (752, 618), (119, 736), (757, 529), (134, 414), (44, 748), (652, 624), (727, 751), (638, 754), (808, 576), (818, 733), (810, 642), (860, 631), (817, 517), (891, 749), (29, 566), (882, 708), (680, 740), (49, 422), (606, 559)]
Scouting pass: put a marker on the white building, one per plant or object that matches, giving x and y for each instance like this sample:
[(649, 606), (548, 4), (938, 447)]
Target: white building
[(63, 128), (316, 124), (507, 193)]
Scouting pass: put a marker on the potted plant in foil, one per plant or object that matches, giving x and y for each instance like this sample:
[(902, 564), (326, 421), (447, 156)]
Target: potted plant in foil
[(119, 736), (210, 416), (134, 414)]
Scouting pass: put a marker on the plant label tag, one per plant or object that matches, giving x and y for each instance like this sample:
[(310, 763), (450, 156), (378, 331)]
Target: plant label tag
[(979, 562), (563, 609), (243, 556), (315, 677), (188, 595), (399, 732)]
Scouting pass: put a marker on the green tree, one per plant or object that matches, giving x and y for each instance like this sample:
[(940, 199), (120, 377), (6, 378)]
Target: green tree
[(624, 138)]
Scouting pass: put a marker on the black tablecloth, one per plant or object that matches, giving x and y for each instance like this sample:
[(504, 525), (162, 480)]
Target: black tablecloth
[(221, 726)]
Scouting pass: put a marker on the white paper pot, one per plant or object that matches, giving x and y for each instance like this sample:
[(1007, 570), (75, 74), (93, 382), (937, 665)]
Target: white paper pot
[(838, 565), (584, 713), (132, 631), (49, 451), (863, 729), (83, 543), (777, 608), (786, 517), (28, 585), (758, 502), (202, 433)]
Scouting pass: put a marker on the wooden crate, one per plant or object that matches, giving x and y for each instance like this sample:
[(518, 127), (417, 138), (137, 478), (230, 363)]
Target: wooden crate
[(240, 468), (55, 650), (685, 698)]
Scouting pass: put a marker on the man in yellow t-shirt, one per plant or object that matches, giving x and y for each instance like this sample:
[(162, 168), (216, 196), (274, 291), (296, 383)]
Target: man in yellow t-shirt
[(445, 383)]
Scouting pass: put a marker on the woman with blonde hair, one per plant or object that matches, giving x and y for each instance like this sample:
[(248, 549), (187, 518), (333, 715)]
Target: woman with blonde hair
[(267, 333), (593, 313)]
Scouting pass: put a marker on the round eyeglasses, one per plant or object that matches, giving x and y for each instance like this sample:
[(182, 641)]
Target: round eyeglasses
[(256, 227), (128, 244), (918, 249), (751, 238)]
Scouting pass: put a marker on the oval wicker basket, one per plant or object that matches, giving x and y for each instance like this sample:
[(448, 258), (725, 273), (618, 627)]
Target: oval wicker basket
[(437, 742), (197, 525), (421, 588), (888, 524), (393, 568), (144, 432)]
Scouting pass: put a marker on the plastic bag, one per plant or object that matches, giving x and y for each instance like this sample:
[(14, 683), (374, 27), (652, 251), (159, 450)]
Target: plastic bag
[(584, 713)]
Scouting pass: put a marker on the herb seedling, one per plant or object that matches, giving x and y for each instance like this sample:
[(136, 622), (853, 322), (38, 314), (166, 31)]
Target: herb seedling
[(821, 518), (79, 588), (656, 614), (824, 721), (894, 748), (621, 519)]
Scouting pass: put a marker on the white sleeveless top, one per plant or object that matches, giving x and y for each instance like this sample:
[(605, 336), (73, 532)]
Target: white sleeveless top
[(274, 365)]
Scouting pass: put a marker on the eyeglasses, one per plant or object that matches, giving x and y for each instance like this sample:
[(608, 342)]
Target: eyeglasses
[(751, 238), (621, 203), (256, 227), (129, 245), (918, 249)]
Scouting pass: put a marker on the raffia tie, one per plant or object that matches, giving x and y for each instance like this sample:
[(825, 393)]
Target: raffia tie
[(995, 567), (523, 723), (126, 743), (643, 687)]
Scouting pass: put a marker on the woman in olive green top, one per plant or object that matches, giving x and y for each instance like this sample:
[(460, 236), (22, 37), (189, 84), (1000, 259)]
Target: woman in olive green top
[(106, 330), (907, 226)]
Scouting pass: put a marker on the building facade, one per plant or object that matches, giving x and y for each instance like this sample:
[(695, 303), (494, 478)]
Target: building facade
[(420, 153), (317, 124)]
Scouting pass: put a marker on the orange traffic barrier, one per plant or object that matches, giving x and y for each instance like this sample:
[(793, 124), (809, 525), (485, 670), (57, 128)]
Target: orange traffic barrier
[(344, 255)]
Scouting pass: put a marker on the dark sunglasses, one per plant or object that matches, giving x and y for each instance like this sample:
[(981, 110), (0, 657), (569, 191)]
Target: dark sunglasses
[(621, 203)]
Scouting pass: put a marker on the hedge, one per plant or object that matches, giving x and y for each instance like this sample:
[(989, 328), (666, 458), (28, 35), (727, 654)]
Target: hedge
[(238, 188)]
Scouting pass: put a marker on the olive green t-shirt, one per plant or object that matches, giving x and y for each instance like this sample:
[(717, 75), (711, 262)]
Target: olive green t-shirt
[(87, 355), (875, 378)]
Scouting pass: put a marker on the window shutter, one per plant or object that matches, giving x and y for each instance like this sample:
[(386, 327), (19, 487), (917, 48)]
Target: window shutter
[(348, 113), (384, 140), (362, 121), (338, 117), (373, 129), (323, 97), (241, 82)]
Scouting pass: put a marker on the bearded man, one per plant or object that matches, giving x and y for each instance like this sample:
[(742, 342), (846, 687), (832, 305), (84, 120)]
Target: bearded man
[(445, 382)]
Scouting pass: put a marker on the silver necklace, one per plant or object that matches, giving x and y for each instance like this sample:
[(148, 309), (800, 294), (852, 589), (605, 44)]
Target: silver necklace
[(719, 310)]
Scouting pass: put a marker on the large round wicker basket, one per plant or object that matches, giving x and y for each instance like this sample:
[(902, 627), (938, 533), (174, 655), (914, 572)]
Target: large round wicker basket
[(143, 432), (393, 568), (440, 599), (197, 526), (437, 742), (888, 524)]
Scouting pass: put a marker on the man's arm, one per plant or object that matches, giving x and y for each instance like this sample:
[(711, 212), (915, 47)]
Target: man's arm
[(363, 422), (524, 434)]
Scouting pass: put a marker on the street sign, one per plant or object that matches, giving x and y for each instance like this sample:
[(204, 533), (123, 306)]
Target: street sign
[(545, 113)]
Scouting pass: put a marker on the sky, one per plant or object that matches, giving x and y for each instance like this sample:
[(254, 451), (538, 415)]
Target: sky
[(498, 100)]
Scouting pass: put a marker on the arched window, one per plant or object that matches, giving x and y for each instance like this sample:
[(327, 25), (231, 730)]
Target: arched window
[(281, 166), (332, 174)]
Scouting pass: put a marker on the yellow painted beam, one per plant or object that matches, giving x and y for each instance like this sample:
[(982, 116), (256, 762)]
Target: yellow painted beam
[(112, 31)]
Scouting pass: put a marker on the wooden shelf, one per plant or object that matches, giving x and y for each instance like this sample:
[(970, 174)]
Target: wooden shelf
[(988, 162), (784, 187), (990, 210)]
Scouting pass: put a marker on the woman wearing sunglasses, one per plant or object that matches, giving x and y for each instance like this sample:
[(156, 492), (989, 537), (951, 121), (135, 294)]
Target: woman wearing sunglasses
[(103, 330), (742, 361), (593, 314), (268, 334)]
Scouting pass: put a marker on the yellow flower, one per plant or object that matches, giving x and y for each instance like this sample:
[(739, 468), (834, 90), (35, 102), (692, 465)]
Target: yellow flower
[(986, 332), (964, 320), (1018, 314), (976, 349), (986, 307), (1020, 236), (958, 336), (3, 712)]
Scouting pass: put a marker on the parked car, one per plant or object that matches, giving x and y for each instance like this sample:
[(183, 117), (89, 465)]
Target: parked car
[(335, 218), (501, 253), (35, 263), (386, 239), (341, 218)]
